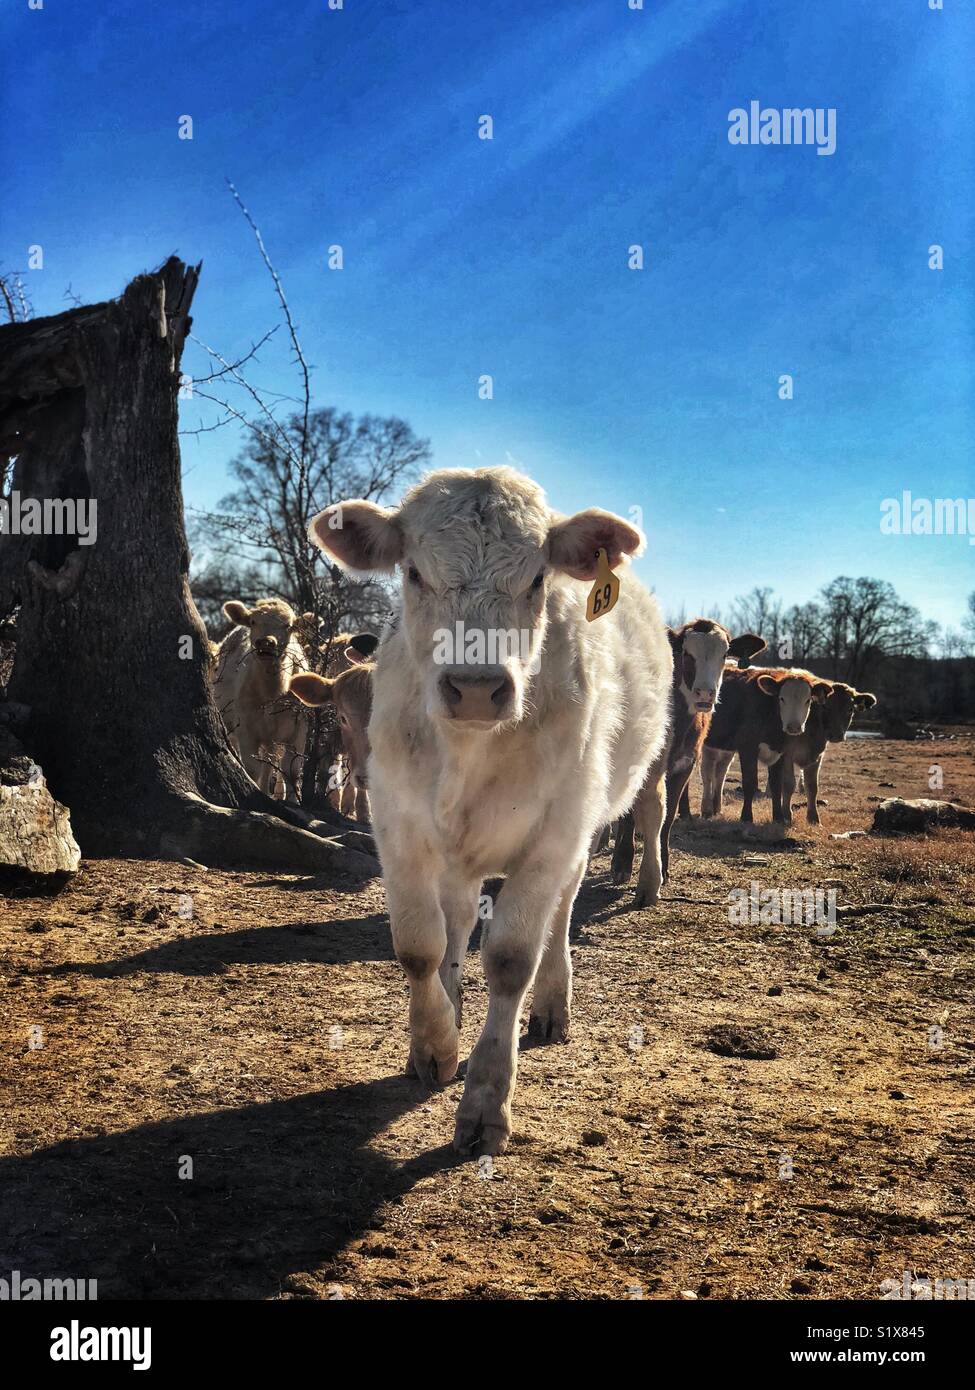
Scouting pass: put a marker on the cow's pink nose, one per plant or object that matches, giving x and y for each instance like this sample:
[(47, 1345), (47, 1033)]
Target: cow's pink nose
[(476, 697)]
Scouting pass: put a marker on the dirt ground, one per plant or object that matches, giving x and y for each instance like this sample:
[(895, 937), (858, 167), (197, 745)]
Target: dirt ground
[(742, 1111)]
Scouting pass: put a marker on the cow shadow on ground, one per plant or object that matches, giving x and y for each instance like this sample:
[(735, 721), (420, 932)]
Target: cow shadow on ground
[(277, 1188), (738, 840), (213, 952), (315, 883), (600, 899)]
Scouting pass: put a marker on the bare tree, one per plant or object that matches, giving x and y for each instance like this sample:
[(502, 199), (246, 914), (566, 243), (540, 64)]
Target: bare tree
[(287, 470), (290, 468), (865, 621), (803, 625), (14, 303), (968, 623), (759, 612), (950, 643), (264, 521)]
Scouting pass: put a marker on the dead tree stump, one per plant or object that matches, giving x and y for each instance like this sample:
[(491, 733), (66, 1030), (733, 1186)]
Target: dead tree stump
[(111, 655)]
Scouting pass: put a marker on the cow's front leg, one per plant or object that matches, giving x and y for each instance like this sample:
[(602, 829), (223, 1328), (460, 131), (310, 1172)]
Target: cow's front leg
[(420, 941), (749, 781), (811, 778), (649, 811), (460, 902), (251, 756), (715, 763), (788, 781), (677, 784), (709, 767), (552, 996), (725, 759), (510, 955), (775, 787)]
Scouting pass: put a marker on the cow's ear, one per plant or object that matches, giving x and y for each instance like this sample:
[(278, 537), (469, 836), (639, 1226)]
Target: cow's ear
[(821, 692), (768, 685), (572, 543), (674, 639), (312, 689), (359, 535), (364, 644), (237, 612), (353, 657), (864, 700), (746, 646)]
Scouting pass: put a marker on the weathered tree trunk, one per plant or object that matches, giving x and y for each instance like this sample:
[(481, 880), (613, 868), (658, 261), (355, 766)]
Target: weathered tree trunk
[(111, 653)]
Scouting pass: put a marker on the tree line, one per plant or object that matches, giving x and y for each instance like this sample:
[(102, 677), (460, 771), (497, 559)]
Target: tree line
[(858, 630)]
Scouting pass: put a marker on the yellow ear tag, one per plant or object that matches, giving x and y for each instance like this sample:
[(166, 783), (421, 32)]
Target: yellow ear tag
[(605, 591)]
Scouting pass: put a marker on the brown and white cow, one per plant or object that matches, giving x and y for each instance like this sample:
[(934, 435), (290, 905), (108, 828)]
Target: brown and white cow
[(350, 695), (252, 670), (700, 649), (759, 709), (827, 723), (497, 709)]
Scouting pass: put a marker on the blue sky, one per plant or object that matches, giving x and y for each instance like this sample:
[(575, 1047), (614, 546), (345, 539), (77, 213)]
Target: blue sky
[(655, 389)]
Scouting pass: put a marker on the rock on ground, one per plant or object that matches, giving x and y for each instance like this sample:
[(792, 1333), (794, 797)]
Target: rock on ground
[(896, 814)]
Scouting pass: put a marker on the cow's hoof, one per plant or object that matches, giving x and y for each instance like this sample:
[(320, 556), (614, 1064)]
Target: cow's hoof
[(620, 873), (480, 1133), (646, 897), (549, 1025), (433, 1072)]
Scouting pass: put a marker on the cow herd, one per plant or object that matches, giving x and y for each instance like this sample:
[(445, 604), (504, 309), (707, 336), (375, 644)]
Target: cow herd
[(500, 731), (256, 670)]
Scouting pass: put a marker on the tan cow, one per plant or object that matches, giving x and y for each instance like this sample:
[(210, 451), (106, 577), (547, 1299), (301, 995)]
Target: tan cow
[(350, 694), (337, 654), (253, 668), (497, 709)]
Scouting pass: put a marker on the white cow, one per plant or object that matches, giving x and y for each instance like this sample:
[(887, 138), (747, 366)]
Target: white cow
[(252, 670), (497, 710)]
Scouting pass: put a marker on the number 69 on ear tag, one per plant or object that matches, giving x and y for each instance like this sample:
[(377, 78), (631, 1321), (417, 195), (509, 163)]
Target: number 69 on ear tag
[(605, 591)]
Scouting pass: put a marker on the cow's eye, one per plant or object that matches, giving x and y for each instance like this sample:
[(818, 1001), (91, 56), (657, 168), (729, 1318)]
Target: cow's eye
[(538, 581), (413, 575)]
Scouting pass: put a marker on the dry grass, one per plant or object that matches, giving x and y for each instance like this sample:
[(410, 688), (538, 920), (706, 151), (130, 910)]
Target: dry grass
[(264, 1037)]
